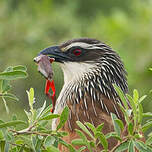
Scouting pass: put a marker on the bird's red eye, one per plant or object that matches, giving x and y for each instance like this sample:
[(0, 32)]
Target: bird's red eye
[(77, 52)]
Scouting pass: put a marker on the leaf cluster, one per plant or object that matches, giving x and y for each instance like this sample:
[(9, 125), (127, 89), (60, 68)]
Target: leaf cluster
[(9, 74), (38, 135)]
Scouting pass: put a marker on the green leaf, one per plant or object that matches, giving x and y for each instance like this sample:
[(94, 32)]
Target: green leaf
[(149, 141), (147, 114), (20, 68), (69, 146), (49, 140), (99, 127), (120, 123), (28, 114), (133, 106), (146, 126), (122, 147), (5, 86), (92, 144), (141, 146), (50, 116), (78, 142), (30, 94), (135, 95), (121, 95), (63, 142), (8, 69), (149, 149), (47, 110), (40, 110), (130, 128), (138, 135), (11, 96), (140, 113), (1, 90), (116, 126), (82, 136), (52, 149), (33, 140), (102, 139), (2, 146), (142, 98), (14, 118), (84, 129), (90, 126), (1, 121), (125, 113), (9, 136), (114, 135), (33, 115), (1, 135), (63, 133), (63, 117), (13, 75), (19, 142), (81, 149), (131, 146), (11, 123)]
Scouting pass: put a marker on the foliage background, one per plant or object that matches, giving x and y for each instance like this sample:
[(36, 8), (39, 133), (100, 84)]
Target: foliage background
[(28, 26)]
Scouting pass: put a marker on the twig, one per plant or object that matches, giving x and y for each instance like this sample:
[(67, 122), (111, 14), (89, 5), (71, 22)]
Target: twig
[(24, 131), (29, 133), (15, 144)]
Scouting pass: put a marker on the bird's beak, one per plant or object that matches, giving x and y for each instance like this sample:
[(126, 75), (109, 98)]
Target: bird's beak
[(56, 53)]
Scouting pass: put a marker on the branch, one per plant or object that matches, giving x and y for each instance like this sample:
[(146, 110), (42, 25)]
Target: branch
[(29, 133), (24, 131), (15, 144)]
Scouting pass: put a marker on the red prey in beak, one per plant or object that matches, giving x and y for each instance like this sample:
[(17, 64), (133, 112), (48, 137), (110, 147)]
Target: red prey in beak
[(44, 67)]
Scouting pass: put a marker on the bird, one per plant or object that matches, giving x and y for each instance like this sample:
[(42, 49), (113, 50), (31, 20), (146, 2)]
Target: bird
[(90, 69)]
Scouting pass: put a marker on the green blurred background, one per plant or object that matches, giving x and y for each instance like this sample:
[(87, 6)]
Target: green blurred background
[(28, 26)]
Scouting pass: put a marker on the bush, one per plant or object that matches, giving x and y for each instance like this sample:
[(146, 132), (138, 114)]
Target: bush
[(38, 136)]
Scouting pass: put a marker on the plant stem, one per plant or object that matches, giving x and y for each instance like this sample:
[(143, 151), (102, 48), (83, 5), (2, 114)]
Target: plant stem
[(6, 107), (29, 133)]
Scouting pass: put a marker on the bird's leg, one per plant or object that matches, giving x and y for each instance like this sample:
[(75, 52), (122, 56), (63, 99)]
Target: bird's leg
[(50, 84)]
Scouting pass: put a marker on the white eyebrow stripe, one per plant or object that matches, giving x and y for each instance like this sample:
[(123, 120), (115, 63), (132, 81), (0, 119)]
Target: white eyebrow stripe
[(95, 47), (81, 44), (86, 46)]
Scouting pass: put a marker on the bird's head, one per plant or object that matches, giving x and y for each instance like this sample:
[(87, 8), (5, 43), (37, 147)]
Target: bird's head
[(81, 57)]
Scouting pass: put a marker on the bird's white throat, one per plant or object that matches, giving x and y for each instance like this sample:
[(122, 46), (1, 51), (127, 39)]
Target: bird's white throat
[(75, 70)]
